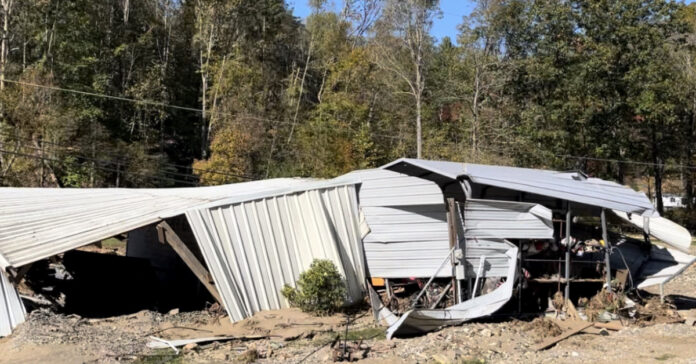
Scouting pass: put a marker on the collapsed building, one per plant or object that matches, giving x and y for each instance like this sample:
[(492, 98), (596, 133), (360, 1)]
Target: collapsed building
[(456, 241)]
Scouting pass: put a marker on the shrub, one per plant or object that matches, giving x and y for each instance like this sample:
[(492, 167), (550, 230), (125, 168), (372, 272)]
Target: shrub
[(684, 217), (320, 289)]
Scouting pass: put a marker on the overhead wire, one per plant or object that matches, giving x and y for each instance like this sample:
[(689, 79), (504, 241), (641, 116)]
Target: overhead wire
[(160, 178), (282, 122), (70, 149), (165, 105)]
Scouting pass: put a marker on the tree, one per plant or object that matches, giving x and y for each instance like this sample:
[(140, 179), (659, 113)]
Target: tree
[(402, 46)]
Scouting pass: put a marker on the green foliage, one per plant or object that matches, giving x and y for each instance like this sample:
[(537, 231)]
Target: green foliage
[(320, 289), (683, 217), (528, 83), (75, 174)]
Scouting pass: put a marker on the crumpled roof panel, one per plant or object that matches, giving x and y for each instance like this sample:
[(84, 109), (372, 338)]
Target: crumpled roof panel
[(40, 222), (570, 186)]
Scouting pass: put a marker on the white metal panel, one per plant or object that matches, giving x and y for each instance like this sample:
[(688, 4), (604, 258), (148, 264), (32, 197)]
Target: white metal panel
[(386, 188), (662, 228), (561, 185), (421, 320), (662, 265), (40, 222), (408, 224), (507, 220), (12, 312), (255, 247), (497, 262)]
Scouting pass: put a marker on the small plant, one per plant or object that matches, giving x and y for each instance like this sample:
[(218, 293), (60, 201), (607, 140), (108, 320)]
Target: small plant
[(320, 289)]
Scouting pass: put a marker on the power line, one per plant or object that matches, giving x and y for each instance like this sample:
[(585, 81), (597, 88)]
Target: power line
[(191, 109), (167, 179), (69, 149), (162, 104), (105, 96)]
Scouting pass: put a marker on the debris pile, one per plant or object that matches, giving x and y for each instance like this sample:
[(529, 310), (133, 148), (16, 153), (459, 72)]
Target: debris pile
[(652, 311), (543, 328)]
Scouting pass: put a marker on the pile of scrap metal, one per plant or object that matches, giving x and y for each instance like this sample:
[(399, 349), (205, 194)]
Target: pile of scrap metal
[(457, 240)]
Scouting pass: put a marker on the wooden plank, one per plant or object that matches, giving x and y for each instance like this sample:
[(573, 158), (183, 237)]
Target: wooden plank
[(19, 274), (576, 328), (190, 259), (452, 230)]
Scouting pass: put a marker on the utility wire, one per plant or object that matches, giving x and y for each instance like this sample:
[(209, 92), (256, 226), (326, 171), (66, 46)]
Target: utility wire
[(70, 149), (191, 109), (177, 107), (173, 180)]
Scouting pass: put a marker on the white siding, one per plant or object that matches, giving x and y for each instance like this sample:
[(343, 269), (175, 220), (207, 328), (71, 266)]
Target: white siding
[(408, 222), (253, 248), (507, 220), (495, 250), (12, 311)]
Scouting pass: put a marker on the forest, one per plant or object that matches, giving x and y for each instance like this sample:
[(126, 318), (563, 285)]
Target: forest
[(164, 93)]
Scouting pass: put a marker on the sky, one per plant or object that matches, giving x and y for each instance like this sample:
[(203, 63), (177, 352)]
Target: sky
[(452, 13)]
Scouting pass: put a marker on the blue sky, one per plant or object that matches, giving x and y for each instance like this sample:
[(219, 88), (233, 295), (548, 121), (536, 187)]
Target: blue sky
[(452, 13)]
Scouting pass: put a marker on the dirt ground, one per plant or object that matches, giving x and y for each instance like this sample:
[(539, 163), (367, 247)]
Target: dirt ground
[(290, 336)]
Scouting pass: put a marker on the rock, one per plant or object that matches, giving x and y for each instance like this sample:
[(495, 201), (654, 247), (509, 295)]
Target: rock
[(574, 353), (486, 333), (190, 346), (173, 311)]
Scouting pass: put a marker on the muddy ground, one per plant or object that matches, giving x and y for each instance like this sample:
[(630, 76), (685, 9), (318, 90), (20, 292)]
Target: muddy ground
[(290, 336)]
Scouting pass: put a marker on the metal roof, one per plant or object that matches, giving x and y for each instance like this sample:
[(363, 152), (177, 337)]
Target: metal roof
[(254, 248), (569, 186), (40, 222), (12, 311)]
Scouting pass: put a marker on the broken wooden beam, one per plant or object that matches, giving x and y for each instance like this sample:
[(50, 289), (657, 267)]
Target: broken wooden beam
[(189, 258), (17, 275), (577, 327)]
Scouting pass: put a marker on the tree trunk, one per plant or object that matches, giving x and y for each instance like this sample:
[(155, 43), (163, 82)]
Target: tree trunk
[(204, 127), (657, 170), (299, 97), (688, 173), (4, 47), (475, 115), (419, 135)]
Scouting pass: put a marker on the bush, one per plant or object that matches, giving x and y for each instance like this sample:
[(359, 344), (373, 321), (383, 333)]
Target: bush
[(320, 289), (684, 217)]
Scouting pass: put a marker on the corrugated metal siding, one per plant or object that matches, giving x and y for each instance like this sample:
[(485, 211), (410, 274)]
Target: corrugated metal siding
[(564, 186), (12, 312), (40, 222), (507, 220), (253, 248), (496, 262), (408, 223)]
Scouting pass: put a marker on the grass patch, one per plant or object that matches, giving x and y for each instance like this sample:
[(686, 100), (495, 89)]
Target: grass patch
[(664, 357), (472, 361), (113, 243), (161, 356)]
